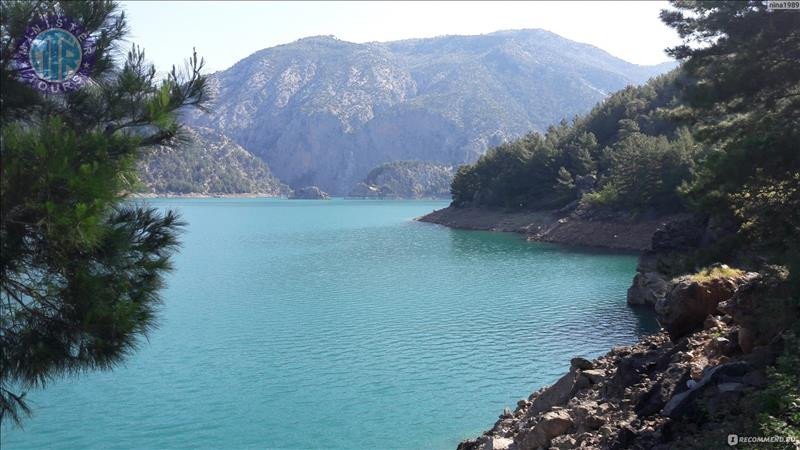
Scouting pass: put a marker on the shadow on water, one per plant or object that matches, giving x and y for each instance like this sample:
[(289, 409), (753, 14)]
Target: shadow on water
[(645, 319), (470, 244)]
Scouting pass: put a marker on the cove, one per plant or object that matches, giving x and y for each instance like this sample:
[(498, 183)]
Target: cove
[(340, 324)]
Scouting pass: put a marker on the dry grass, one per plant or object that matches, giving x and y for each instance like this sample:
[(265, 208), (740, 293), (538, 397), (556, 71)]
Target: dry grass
[(716, 272)]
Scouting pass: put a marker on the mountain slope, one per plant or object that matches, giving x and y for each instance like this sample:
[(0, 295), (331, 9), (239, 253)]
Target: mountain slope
[(209, 163), (323, 111), (406, 179)]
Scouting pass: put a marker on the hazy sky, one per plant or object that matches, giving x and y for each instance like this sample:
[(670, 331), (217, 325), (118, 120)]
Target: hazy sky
[(225, 32)]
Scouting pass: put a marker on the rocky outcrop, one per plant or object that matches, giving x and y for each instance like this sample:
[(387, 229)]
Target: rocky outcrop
[(666, 392), (636, 396), (406, 179), (309, 193), (762, 307), (691, 299), (676, 235), (648, 288)]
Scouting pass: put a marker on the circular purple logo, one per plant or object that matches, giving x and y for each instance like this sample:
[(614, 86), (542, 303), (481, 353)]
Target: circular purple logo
[(55, 55)]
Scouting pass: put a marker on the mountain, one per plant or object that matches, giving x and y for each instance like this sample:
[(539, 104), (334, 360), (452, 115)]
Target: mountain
[(207, 163), (406, 179), (321, 111)]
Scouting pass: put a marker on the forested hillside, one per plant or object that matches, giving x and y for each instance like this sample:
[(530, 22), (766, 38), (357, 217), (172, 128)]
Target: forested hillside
[(628, 152), (208, 163), (406, 179)]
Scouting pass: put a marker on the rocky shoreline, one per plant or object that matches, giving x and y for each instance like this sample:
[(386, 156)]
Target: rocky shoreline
[(691, 384), (687, 387), (610, 231)]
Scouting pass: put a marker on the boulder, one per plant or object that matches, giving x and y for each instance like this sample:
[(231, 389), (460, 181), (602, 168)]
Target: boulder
[(762, 307), (690, 301), (557, 394), (552, 424), (581, 363), (647, 288), (594, 375)]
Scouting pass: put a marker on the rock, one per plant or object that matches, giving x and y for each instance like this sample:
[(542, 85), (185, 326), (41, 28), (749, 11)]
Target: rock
[(594, 375), (497, 443), (762, 356), (680, 402), (755, 378), (309, 193), (762, 307), (581, 363), (722, 345), (690, 301), (730, 387), (552, 424), (713, 322), (471, 444), (557, 394), (746, 340), (563, 442), (647, 289)]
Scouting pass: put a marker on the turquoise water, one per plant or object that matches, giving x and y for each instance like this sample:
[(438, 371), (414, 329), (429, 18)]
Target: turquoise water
[(340, 324)]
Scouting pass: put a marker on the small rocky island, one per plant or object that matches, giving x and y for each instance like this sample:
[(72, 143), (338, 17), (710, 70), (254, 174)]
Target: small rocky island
[(309, 193)]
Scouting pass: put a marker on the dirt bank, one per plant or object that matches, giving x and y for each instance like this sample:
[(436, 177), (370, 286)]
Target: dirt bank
[(602, 231)]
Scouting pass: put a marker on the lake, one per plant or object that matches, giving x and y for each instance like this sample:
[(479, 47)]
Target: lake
[(341, 324)]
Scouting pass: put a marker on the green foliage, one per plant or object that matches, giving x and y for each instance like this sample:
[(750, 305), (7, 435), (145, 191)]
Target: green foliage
[(744, 100), (638, 152), (81, 267), (780, 400), (410, 179), (645, 171)]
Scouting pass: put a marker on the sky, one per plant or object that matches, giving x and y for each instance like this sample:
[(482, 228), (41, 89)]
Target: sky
[(226, 32)]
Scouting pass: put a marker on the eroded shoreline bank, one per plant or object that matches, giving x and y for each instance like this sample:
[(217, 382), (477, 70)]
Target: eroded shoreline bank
[(614, 232)]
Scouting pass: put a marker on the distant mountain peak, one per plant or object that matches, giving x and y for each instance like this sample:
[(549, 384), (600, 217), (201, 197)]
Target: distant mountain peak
[(323, 111)]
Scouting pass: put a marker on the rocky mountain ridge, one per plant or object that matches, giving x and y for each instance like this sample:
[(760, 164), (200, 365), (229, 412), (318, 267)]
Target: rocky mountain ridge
[(322, 111)]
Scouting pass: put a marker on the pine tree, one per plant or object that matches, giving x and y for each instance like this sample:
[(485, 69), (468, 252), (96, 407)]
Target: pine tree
[(744, 97), (81, 267)]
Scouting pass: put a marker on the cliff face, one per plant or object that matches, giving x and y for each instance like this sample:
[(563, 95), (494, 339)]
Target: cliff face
[(323, 112), (207, 163), (406, 179)]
